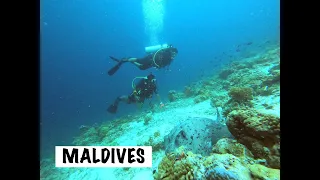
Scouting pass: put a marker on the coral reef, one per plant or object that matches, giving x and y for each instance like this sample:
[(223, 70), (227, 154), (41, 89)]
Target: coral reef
[(254, 72), (188, 91), (231, 146), (202, 95), (47, 168), (156, 142), (257, 131), (157, 145), (171, 168), (89, 136), (105, 134), (225, 73), (262, 172), (174, 96), (225, 166), (240, 98), (218, 100), (229, 160), (241, 94)]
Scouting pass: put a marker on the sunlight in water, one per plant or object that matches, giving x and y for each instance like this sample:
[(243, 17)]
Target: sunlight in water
[(153, 11)]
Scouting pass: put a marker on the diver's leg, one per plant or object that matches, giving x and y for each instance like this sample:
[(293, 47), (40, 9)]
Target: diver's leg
[(133, 61), (123, 59), (114, 107), (137, 64), (123, 98)]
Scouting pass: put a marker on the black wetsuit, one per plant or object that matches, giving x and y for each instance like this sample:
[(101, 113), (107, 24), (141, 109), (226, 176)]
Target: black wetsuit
[(144, 90), (162, 59), (146, 62)]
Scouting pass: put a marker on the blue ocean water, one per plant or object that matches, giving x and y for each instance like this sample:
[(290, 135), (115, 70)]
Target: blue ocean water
[(78, 36)]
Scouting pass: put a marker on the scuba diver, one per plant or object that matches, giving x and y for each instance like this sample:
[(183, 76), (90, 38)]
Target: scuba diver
[(143, 90), (158, 59)]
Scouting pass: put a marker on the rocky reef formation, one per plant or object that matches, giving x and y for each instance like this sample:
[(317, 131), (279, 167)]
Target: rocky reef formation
[(257, 76), (229, 160), (257, 131), (174, 96), (241, 90)]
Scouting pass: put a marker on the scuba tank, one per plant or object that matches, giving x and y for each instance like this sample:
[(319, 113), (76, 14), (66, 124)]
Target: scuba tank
[(152, 49)]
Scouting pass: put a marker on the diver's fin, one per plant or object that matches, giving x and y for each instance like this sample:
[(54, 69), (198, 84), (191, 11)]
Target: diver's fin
[(114, 69), (112, 108)]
